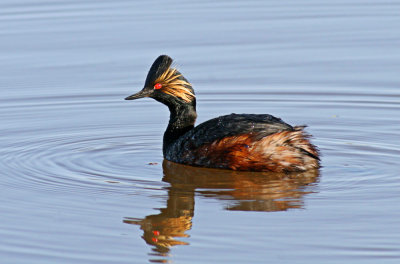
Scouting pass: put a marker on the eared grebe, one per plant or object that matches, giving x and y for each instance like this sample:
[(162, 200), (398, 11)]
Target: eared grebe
[(245, 142)]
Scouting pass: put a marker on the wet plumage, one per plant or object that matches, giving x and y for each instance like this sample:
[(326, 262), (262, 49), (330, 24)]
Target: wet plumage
[(247, 142)]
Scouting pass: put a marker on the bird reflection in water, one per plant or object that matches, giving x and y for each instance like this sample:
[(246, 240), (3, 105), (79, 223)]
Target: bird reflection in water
[(241, 191)]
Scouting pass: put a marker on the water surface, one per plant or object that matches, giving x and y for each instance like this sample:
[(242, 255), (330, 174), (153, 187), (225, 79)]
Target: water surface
[(83, 178)]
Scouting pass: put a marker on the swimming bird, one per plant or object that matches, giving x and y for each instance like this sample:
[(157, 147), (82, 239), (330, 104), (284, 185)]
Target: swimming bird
[(243, 142)]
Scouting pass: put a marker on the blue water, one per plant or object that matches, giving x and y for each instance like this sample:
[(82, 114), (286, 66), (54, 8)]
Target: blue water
[(83, 178)]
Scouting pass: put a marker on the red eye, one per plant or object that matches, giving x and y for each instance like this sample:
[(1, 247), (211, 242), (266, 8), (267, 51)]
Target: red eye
[(157, 86)]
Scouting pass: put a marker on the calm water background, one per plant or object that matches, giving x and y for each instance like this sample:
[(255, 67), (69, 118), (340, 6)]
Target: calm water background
[(82, 175)]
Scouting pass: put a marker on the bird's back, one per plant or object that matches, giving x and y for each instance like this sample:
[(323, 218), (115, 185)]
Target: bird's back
[(248, 142)]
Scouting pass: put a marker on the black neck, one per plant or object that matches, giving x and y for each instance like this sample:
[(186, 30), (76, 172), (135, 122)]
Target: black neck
[(182, 119)]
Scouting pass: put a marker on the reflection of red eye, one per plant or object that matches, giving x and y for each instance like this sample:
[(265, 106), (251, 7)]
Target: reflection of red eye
[(157, 86)]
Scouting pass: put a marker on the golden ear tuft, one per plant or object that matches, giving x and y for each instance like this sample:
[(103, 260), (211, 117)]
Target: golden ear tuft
[(173, 85)]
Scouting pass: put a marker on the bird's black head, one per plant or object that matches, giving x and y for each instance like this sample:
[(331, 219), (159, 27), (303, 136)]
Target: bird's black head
[(166, 84)]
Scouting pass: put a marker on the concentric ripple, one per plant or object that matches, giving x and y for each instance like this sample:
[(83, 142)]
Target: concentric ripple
[(91, 158), (109, 157)]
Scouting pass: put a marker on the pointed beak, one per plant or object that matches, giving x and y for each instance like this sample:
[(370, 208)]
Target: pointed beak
[(141, 94)]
